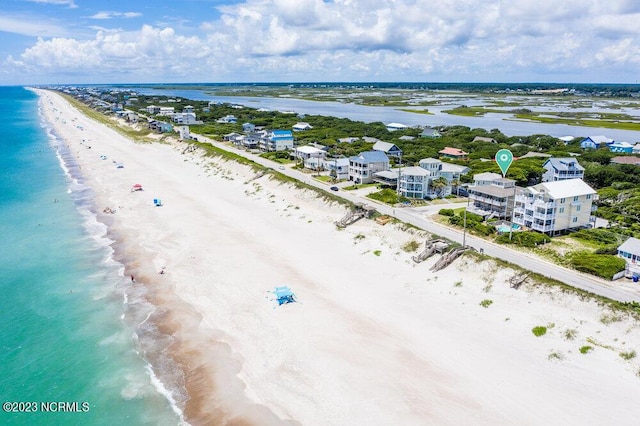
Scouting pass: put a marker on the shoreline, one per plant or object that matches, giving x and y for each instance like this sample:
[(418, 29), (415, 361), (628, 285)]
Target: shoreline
[(374, 338)]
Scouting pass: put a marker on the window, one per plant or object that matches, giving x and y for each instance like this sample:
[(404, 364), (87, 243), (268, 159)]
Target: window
[(578, 208), (574, 220), (588, 196), (562, 201), (561, 210), (576, 198)]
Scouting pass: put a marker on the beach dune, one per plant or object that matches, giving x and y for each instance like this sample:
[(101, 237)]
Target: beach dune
[(374, 337)]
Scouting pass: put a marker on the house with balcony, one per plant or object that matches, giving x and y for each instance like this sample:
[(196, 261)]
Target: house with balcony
[(555, 207), (562, 169), (363, 166), (277, 140), (311, 157), (338, 167), (416, 181), (491, 196)]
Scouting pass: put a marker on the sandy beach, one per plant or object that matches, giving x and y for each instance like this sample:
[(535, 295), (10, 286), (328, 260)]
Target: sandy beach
[(374, 339)]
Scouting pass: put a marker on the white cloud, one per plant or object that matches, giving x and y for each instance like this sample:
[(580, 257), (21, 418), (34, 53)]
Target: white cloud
[(111, 15), (28, 26), (418, 40), (69, 3)]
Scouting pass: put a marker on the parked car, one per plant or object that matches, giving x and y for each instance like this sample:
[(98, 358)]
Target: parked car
[(281, 167), (334, 188)]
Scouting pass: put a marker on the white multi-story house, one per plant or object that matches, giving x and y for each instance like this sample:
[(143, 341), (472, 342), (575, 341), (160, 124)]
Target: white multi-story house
[(338, 167), (416, 182), (364, 165), (491, 195), (555, 207), (185, 118), (562, 169)]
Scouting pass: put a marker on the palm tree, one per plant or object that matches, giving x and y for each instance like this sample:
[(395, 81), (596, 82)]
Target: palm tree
[(439, 184), (456, 183)]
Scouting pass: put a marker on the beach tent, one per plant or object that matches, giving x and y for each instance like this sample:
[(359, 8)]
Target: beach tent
[(157, 202), (136, 187), (284, 295)]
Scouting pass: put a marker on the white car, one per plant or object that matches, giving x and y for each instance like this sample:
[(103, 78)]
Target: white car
[(281, 167)]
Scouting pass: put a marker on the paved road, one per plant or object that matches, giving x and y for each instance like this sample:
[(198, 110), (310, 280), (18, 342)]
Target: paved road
[(417, 218)]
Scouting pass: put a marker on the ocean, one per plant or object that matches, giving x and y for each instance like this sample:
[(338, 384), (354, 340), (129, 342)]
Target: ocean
[(74, 338)]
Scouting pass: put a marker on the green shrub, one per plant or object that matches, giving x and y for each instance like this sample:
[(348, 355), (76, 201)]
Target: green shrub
[(539, 331), (524, 239), (486, 303), (411, 246), (601, 265), (586, 349), (447, 212), (377, 252), (628, 355)]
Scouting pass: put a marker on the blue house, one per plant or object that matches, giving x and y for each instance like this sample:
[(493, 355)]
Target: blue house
[(594, 142), (622, 147), (278, 140)]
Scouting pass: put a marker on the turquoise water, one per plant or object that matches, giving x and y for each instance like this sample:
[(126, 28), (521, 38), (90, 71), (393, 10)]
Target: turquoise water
[(69, 318)]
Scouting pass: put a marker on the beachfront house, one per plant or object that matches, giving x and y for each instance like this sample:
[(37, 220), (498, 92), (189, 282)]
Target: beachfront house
[(430, 133), (595, 142), (310, 156), (254, 140), (160, 126), (185, 118), (562, 169), (388, 148), (621, 147), (555, 207), (491, 196), (630, 252), (417, 181), (248, 127), (453, 154), (338, 167), (277, 140), (364, 165)]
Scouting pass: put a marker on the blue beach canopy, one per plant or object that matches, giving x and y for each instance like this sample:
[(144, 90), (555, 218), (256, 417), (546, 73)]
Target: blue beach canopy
[(284, 295)]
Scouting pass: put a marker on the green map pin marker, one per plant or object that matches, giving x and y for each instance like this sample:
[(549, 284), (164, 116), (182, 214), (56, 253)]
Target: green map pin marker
[(504, 158)]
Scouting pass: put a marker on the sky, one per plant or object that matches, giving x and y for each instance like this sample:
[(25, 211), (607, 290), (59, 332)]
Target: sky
[(229, 41)]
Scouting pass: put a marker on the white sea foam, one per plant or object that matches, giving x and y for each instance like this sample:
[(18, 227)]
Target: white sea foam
[(160, 388)]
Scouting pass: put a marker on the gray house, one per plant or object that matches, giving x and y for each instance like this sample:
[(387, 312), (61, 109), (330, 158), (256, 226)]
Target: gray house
[(562, 169)]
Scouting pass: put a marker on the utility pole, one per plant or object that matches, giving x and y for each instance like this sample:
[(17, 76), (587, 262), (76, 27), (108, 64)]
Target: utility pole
[(399, 174)]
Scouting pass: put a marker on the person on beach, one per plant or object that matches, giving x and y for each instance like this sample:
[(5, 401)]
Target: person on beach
[(133, 279)]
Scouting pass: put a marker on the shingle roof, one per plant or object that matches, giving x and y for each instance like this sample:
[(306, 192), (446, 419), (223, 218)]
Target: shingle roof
[(371, 157), (564, 163)]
